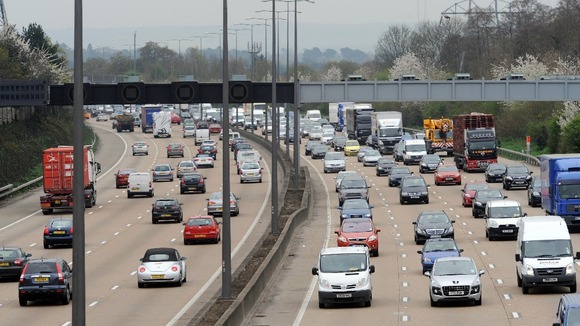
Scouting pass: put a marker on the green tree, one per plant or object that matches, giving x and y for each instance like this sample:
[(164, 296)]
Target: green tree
[(34, 35), (571, 136)]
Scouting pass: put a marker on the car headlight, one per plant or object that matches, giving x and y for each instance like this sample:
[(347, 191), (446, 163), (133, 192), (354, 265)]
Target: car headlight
[(423, 164), (424, 193), (475, 288), (528, 177), (404, 194), (529, 270), (368, 215), (420, 231), (478, 203), (436, 290), (570, 269), (343, 216), (450, 229), (536, 193), (509, 177), (342, 239), (427, 260), (493, 224), (372, 238), (362, 282), (324, 283)]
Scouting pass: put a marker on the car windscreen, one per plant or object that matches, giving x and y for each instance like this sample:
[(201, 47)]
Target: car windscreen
[(439, 246), (354, 204), (447, 168), (334, 156), (61, 224), (517, 170), (163, 203), (433, 219), (343, 263), (454, 267), (546, 248), (505, 212), (352, 184), (199, 222)]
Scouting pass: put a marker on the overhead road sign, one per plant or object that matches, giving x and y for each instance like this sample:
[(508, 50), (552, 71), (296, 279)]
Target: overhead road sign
[(23, 93)]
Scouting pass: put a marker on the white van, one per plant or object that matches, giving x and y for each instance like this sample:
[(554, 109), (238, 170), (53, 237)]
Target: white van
[(344, 275), (544, 253), (501, 218), (201, 135), (139, 183), (313, 115), (414, 150)]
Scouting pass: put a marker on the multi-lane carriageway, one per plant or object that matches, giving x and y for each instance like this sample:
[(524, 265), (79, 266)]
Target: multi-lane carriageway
[(119, 230)]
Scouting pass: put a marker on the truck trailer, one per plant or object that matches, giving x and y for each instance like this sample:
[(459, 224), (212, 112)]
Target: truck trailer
[(560, 190), (57, 177), (147, 117), (162, 124), (474, 141), (387, 130), (358, 122), (125, 122)]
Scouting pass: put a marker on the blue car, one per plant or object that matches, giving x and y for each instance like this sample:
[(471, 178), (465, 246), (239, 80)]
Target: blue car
[(355, 208), (437, 248), (58, 231)]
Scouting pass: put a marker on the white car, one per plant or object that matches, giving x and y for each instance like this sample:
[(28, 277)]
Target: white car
[(327, 136), (140, 148), (454, 279), (203, 159), (250, 171), (371, 157), (315, 133), (184, 167), (161, 265), (188, 131)]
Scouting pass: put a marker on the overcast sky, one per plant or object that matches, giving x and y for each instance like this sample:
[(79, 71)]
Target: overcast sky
[(325, 23)]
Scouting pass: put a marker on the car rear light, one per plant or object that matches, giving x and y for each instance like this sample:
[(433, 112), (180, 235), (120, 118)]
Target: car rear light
[(232, 202), (201, 181), (211, 202), (174, 268), (150, 184), (182, 181), (46, 230), (18, 262), (59, 272), (23, 273), (72, 230)]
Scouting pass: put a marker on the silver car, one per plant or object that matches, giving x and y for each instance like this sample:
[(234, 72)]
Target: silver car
[(162, 172), (140, 148), (188, 131), (184, 167), (161, 265), (250, 171), (334, 162), (454, 279), (215, 204), (341, 175), (371, 157)]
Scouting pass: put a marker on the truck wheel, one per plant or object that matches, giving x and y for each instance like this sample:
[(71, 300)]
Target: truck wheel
[(519, 279), (573, 288), (46, 211), (525, 289)]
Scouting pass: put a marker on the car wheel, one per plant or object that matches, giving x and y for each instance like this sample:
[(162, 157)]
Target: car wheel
[(45, 245), (573, 288), (321, 305), (66, 298), (140, 285), (376, 253), (179, 282), (23, 302), (368, 303), (185, 242), (478, 302), (117, 186), (129, 194), (519, 279), (525, 289), (241, 181), (427, 200), (153, 221), (433, 303), (181, 192), (46, 211)]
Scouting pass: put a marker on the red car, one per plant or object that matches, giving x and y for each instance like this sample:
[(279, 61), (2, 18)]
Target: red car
[(215, 128), (122, 177), (468, 192), (447, 174), (201, 228), (359, 232), (175, 118)]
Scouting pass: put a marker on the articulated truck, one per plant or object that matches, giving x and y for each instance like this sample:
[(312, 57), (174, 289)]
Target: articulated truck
[(560, 190), (474, 141), (358, 122), (57, 173), (387, 129)]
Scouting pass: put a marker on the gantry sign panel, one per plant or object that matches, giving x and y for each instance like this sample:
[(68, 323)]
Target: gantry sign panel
[(23, 93)]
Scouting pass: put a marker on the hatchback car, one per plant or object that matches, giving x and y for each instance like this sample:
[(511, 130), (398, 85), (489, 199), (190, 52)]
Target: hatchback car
[(215, 128), (468, 192), (447, 174), (436, 248), (413, 189), (45, 279), (353, 187), (495, 172), (175, 149), (334, 162), (203, 160), (161, 265), (355, 208), (184, 167), (481, 198), (162, 172), (191, 182), (166, 209), (201, 228), (215, 204), (396, 174), (310, 145), (398, 152), (351, 147), (319, 151), (188, 131), (102, 117), (362, 152), (371, 157), (250, 172), (359, 232), (433, 224), (140, 148), (341, 175), (12, 261), (384, 166), (517, 176), (338, 143), (534, 192), (454, 279), (175, 118), (208, 149), (122, 177), (58, 231), (429, 163)]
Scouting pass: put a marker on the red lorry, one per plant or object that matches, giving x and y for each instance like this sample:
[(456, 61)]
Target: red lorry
[(57, 172), (474, 141)]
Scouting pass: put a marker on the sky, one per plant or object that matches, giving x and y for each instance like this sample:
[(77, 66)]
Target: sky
[(326, 24)]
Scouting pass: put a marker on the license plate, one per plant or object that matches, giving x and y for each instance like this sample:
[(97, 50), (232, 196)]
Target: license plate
[(41, 279), (157, 276), (57, 202), (200, 235), (448, 179), (166, 215), (135, 188), (59, 232), (414, 197), (455, 292), (553, 279), (4, 263), (344, 295), (435, 236), (250, 173), (507, 231), (219, 209)]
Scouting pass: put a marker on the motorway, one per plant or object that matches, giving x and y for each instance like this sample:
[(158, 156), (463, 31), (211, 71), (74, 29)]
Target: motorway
[(400, 291), (119, 230)]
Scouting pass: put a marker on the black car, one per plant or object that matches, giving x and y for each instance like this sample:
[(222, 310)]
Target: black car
[(208, 149), (494, 172), (310, 145), (12, 260), (384, 166), (433, 224), (413, 189), (429, 163), (191, 182), (398, 152), (517, 176), (481, 198), (338, 143), (397, 173), (45, 279), (235, 141), (166, 209), (319, 151), (241, 146), (353, 188), (534, 194), (58, 231)]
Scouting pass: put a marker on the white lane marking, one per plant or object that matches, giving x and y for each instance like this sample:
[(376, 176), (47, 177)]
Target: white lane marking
[(483, 253), (88, 252), (115, 287), (475, 242), (405, 284), (405, 299), (499, 281), (469, 232), (128, 224), (403, 255), (67, 323), (507, 296), (94, 303), (218, 271), (133, 273), (116, 233), (516, 315), (395, 225), (173, 240), (109, 201), (491, 266), (404, 318), (403, 268), (103, 242), (32, 244)]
